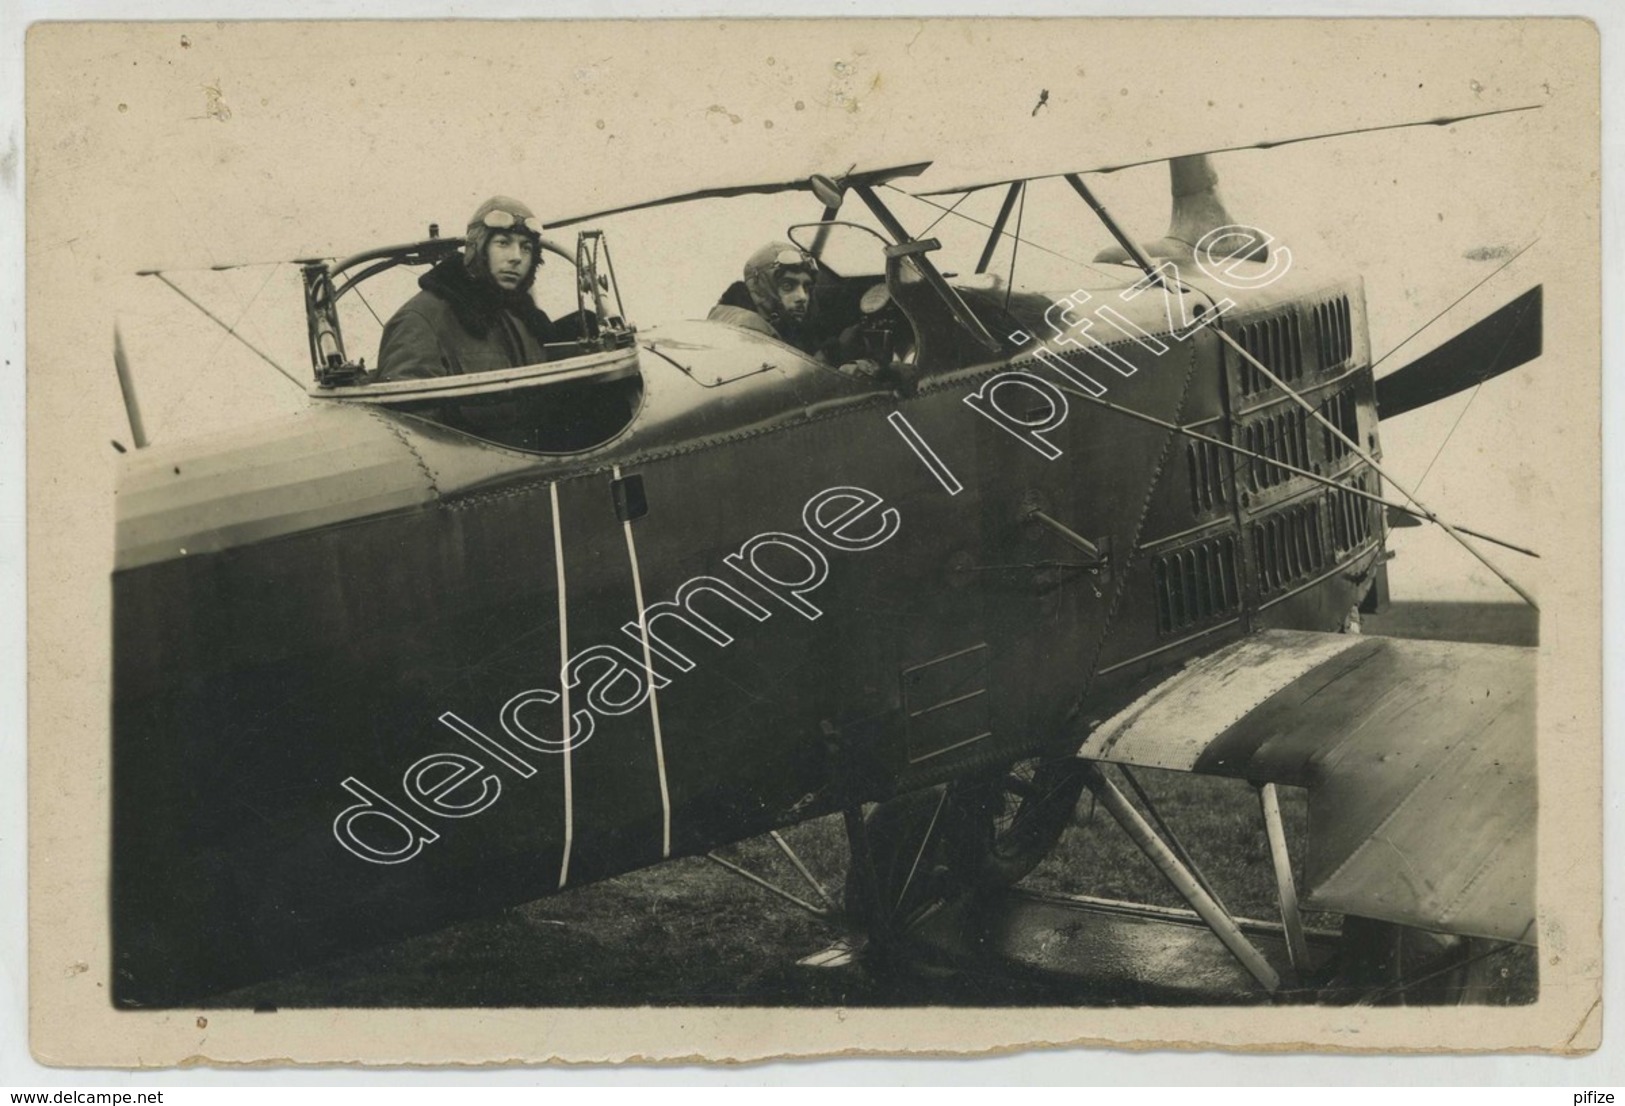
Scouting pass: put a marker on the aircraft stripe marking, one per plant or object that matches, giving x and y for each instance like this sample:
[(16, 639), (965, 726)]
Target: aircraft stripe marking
[(925, 453), (654, 696), (564, 687)]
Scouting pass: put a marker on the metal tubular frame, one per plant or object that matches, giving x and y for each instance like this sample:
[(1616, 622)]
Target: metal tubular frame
[(997, 230), (784, 846), (1297, 944), (1171, 839), (919, 854), (773, 888), (960, 310), (1177, 874)]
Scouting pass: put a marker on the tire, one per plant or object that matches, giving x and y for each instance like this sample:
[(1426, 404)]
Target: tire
[(1005, 825), (1383, 964), (906, 836)]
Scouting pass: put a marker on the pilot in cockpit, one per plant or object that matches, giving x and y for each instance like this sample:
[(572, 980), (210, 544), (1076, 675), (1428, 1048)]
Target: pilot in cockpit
[(475, 311), (780, 296), (776, 297)]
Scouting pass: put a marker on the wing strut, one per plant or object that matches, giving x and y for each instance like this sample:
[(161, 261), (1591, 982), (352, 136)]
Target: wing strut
[(822, 237), (1422, 508), (1123, 240), (961, 313), (997, 229), (1227, 931)]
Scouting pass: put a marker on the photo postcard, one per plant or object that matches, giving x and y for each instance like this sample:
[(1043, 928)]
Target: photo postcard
[(727, 540)]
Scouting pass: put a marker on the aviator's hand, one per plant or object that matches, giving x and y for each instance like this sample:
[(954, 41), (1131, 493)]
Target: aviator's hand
[(863, 368)]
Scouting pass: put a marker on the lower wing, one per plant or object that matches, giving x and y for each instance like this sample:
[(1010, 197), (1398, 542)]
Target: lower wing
[(1418, 758)]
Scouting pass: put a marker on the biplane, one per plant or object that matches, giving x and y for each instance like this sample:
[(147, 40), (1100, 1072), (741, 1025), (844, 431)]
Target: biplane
[(376, 671)]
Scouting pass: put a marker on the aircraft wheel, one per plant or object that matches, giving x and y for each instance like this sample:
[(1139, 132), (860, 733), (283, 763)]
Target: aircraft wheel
[(906, 849), (1010, 822), (1382, 964)]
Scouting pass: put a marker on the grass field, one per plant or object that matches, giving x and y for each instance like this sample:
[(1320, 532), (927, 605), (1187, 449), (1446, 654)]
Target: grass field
[(691, 933)]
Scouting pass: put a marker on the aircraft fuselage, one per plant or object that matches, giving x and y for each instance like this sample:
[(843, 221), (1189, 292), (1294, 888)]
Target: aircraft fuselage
[(373, 675)]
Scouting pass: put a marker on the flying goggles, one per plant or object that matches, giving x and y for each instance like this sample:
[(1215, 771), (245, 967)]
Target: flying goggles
[(507, 220)]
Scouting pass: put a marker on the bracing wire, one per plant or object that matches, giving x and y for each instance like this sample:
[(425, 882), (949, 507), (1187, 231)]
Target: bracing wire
[(1453, 303), (1440, 451), (363, 299), (1029, 243), (945, 213), (231, 329)]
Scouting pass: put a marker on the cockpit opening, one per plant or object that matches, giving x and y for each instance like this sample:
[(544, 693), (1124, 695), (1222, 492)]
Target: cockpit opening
[(567, 416), (501, 371)]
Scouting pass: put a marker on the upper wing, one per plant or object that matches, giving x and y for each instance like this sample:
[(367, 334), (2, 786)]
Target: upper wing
[(946, 179), (856, 175), (1419, 759)]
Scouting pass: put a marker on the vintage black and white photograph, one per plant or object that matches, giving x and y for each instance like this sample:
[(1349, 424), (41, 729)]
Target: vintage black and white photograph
[(793, 535)]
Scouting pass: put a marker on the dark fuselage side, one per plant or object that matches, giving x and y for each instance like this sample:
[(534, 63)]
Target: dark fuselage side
[(314, 622)]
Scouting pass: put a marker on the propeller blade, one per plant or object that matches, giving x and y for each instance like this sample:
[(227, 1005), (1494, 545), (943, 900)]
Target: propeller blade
[(1495, 344)]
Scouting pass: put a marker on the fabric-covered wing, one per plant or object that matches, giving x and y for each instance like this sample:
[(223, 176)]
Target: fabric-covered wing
[(1418, 756), (947, 178), (871, 176)]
